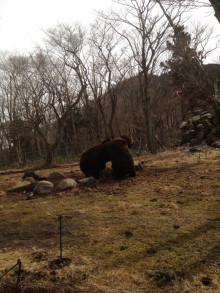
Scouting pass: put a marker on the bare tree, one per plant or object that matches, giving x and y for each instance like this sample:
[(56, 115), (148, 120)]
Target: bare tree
[(145, 32)]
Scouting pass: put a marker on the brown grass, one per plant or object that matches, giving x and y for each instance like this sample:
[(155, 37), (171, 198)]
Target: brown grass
[(158, 232)]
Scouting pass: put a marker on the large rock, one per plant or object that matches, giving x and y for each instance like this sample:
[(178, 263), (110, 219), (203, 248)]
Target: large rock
[(89, 181), (34, 174), (56, 176), (43, 187), (22, 186), (67, 183)]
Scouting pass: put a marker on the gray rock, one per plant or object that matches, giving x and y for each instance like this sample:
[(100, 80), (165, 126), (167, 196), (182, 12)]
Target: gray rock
[(89, 181), (192, 134), (30, 179), (216, 144), (56, 176), (183, 125), (138, 165), (34, 174), (67, 183), (43, 187), (22, 186)]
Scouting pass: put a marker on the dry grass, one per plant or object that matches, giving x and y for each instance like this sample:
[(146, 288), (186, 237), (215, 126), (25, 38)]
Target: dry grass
[(158, 232)]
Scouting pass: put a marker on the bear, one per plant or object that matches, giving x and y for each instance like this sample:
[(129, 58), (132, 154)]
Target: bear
[(129, 140), (94, 160), (121, 158)]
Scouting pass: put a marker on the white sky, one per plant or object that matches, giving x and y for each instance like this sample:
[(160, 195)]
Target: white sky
[(22, 21)]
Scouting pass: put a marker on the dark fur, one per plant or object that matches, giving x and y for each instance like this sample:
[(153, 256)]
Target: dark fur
[(129, 140), (121, 158), (94, 159)]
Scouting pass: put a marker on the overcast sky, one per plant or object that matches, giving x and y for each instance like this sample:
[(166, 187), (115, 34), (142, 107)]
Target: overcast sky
[(22, 21)]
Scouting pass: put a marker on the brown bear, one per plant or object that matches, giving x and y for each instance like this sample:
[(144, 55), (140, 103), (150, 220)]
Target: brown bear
[(94, 159), (120, 156)]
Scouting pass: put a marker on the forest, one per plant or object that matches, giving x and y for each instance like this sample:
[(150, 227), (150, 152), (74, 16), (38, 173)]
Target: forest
[(140, 70)]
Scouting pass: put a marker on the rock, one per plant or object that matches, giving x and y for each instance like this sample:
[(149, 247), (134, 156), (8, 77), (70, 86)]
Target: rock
[(207, 123), (195, 150), (183, 125), (216, 131), (43, 187), (30, 179), (67, 183), (88, 181), (206, 116), (193, 142), (200, 135), (56, 176), (200, 127), (210, 139), (34, 174), (216, 144), (138, 165), (22, 186), (192, 134), (196, 119)]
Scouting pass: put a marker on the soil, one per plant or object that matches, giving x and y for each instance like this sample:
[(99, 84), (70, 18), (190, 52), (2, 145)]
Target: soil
[(157, 232)]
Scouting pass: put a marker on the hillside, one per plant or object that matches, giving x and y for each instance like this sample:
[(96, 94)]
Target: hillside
[(158, 232)]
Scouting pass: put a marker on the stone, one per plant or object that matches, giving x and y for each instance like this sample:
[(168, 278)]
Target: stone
[(183, 125), (200, 135), (216, 144), (43, 187), (67, 183), (199, 127), (138, 165), (56, 176), (88, 181), (34, 174), (196, 119), (192, 134), (216, 131), (210, 139), (30, 179), (193, 142), (22, 186)]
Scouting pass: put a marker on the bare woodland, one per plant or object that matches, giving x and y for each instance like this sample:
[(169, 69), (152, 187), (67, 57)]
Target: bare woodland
[(138, 71)]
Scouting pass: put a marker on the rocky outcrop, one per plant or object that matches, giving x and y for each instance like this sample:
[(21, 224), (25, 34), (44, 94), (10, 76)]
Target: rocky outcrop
[(201, 128)]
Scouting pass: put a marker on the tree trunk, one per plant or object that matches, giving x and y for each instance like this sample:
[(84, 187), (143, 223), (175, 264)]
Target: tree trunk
[(216, 7)]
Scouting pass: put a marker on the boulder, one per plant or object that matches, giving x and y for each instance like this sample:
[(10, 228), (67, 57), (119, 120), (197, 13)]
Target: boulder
[(216, 144), (30, 179), (67, 183), (22, 186), (43, 187), (183, 125), (210, 139), (88, 181), (56, 176), (34, 174)]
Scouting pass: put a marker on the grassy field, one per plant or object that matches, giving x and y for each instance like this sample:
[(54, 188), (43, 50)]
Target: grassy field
[(157, 232)]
